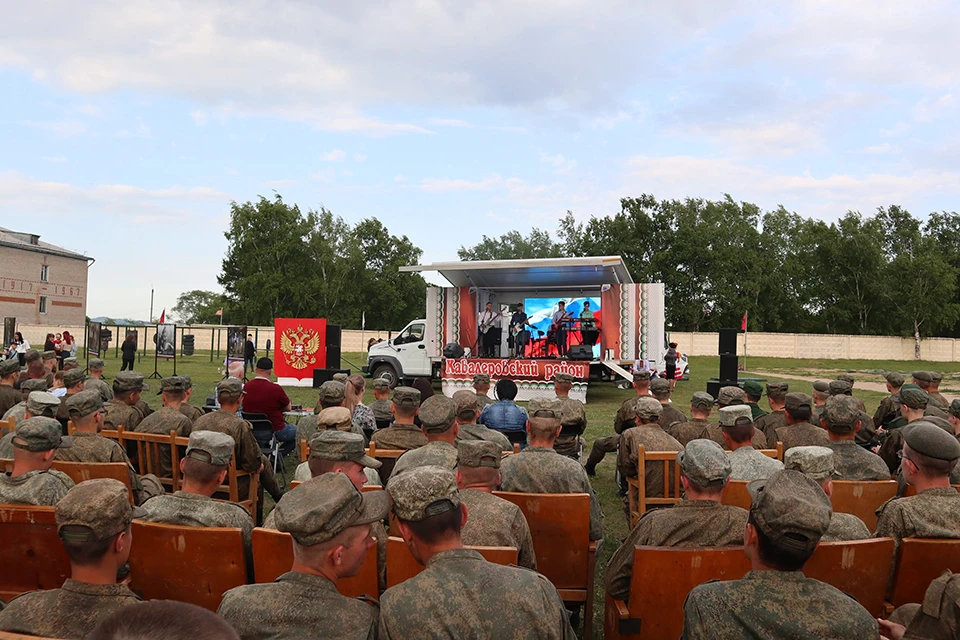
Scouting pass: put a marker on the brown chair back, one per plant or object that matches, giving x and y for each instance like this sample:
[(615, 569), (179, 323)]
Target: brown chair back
[(80, 471), (919, 562), (637, 500), (31, 554), (8, 425), (273, 557), (662, 578), (735, 494), (147, 452), (386, 456), (774, 453), (862, 498), (4, 635), (232, 488), (304, 450), (189, 564), (859, 568), (401, 566)]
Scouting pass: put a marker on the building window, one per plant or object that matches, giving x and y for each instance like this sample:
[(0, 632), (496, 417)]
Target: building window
[(43, 304), (44, 273)]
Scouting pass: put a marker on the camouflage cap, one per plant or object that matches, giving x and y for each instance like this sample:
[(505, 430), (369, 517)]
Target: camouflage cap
[(846, 377), (702, 401), (705, 463), (914, 397), (129, 381), (466, 401), (821, 386), (930, 440), (735, 415), (95, 510), (187, 382), (954, 408), (730, 395), (34, 384), (648, 408), (840, 388), (95, 363), (82, 404), (790, 509), (943, 423), (40, 434), (230, 388), (777, 390), (323, 507), (334, 418), (406, 397), (341, 377), (481, 378), (641, 376), (437, 414), (923, 376), (341, 445), (478, 453), (563, 377), (173, 384), (381, 384), (50, 355), (936, 377), (9, 367), (797, 400), (423, 492), (544, 407), (73, 377), (660, 387), (841, 413), (895, 379), (41, 403), (70, 363), (31, 355), (332, 392), (814, 462), (752, 388), (211, 447)]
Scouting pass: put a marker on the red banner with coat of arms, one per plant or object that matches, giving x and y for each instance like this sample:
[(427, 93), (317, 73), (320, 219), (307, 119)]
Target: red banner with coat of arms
[(300, 346)]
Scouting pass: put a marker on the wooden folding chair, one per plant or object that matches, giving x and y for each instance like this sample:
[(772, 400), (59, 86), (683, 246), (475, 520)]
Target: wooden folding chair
[(31, 554), (232, 488), (304, 450), (637, 500), (388, 457), (147, 451), (919, 562), (273, 557), (560, 529), (16, 636), (735, 494), (662, 578), (106, 433), (401, 566), (862, 498), (80, 471), (912, 490), (8, 425), (774, 453), (859, 568), (189, 564)]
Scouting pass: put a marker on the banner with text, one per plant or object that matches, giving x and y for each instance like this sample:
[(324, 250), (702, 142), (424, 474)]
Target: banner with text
[(301, 347), (534, 378)]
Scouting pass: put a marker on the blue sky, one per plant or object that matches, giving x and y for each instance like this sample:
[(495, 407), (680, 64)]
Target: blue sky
[(127, 126)]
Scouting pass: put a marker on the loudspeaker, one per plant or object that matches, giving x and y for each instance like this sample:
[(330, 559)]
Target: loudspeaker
[(452, 350), (323, 375), (728, 368), (580, 352), (728, 343), (333, 335), (333, 356)]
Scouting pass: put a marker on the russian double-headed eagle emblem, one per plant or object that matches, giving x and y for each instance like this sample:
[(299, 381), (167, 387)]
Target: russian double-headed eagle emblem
[(299, 346)]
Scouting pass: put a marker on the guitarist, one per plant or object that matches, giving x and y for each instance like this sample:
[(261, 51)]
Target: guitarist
[(560, 329), (488, 333), (518, 324)]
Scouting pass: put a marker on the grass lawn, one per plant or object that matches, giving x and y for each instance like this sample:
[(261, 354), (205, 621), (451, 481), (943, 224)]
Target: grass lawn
[(603, 401)]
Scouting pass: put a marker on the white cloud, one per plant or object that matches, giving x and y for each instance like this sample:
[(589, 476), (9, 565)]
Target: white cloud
[(400, 178), (559, 163), (59, 128), (929, 109), (199, 117), (334, 155), (141, 131), (434, 185), (276, 184), (90, 110), (884, 148), (359, 158)]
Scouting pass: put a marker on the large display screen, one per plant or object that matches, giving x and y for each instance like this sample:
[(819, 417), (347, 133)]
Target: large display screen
[(540, 314)]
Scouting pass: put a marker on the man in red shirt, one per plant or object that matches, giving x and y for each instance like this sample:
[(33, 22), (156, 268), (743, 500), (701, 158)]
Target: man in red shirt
[(262, 395)]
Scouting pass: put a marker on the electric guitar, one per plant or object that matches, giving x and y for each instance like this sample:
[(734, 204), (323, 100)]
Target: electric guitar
[(558, 324), (484, 327)]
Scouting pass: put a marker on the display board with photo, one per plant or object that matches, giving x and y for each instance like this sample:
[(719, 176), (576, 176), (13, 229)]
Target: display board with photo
[(9, 328), (93, 339), (236, 339), (166, 340)]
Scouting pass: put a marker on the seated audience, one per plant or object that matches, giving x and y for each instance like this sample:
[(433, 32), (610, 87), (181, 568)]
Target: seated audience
[(163, 620), (403, 433), (32, 481), (468, 410), (648, 433), (18, 411), (738, 431), (263, 395), (168, 418), (381, 403), (39, 403), (841, 418), (481, 385), (798, 432), (438, 420), (817, 464), (701, 405), (504, 415)]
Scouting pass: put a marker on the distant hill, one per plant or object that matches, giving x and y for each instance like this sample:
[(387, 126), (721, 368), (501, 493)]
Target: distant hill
[(118, 321)]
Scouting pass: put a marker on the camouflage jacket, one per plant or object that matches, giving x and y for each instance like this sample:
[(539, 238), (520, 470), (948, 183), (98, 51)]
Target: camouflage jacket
[(934, 513), (853, 462), (687, 430), (746, 463), (399, 436), (17, 411), (845, 527), (938, 618), (120, 414), (9, 397), (163, 421), (713, 431), (143, 408), (194, 510), (381, 410), (93, 447), (480, 432), (106, 392), (495, 522), (800, 434), (436, 453), (39, 488), (247, 451), (768, 425), (191, 411), (653, 438)]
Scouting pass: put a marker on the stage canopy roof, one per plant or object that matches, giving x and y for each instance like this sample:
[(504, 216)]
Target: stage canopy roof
[(591, 272)]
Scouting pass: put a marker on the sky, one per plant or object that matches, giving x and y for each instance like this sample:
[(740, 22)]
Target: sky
[(127, 127)]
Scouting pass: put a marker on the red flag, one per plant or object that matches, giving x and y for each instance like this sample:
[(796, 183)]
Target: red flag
[(219, 312), (743, 324), (163, 316)]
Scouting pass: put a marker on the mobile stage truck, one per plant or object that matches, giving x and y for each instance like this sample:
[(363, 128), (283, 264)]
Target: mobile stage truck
[(623, 328)]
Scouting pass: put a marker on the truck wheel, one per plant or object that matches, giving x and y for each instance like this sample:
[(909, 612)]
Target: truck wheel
[(387, 372)]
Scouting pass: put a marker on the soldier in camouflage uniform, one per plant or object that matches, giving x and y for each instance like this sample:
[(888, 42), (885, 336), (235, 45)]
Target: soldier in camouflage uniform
[(459, 594), (186, 408), (18, 411), (329, 520), (767, 425), (543, 407), (86, 411), (788, 517), (403, 433), (35, 370), (492, 521), (73, 381), (938, 398), (842, 419), (468, 409), (331, 394), (889, 408), (39, 403), (867, 435), (204, 469), (925, 380), (798, 432), (821, 391), (337, 418), (93, 521), (540, 469), (574, 420), (32, 481), (122, 411), (753, 392), (938, 618), (9, 397), (746, 463), (700, 520), (625, 418), (303, 471), (168, 418), (913, 407), (381, 403), (701, 405), (727, 397), (660, 389), (954, 419), (648, 433), (95, 379), (438, 420), (481, 385), (817, 464)]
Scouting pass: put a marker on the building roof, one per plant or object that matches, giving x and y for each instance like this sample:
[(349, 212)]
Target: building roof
[(539, 273), (32, 242)]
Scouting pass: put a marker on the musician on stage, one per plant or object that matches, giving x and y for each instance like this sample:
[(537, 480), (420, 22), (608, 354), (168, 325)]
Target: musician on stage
[(488, 334), (560, 317), (521, 336)]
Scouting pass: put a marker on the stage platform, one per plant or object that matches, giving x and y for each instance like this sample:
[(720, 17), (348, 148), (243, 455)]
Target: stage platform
[(534, 377)]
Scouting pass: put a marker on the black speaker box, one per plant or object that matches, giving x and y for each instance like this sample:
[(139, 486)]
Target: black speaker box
[(728, 369), (453, 350), (333, 335), (580, 352), (728, 342), (333, 356), (323, 375)]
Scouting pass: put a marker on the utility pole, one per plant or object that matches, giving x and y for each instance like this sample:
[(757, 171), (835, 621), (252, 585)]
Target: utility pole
[(150, 319)]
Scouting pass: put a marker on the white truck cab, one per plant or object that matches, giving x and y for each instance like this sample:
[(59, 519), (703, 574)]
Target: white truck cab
[(402, 357)]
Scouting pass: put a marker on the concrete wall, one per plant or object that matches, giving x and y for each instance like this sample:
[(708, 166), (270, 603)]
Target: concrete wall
[(21, 288)]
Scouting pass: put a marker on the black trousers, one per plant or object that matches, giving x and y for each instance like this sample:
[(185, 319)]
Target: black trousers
[(127, 364), (561, 337), (488, 341)]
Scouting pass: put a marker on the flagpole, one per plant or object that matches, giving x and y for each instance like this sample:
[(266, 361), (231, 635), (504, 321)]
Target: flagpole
[(744, 341)]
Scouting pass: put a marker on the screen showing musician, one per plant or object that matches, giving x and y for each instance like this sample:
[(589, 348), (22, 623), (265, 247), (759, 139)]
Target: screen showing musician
[(540, 313)]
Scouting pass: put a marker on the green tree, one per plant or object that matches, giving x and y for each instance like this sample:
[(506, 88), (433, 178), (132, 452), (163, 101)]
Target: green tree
[(198, 307)]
